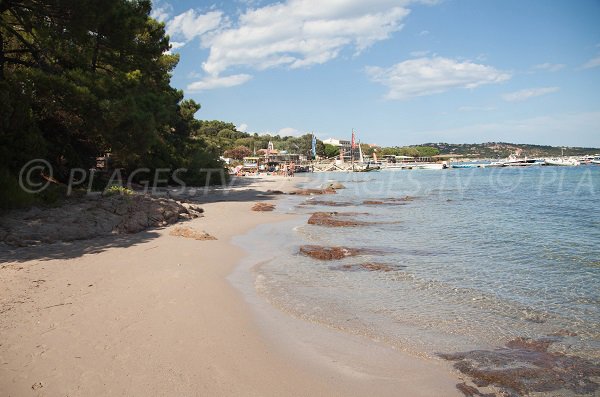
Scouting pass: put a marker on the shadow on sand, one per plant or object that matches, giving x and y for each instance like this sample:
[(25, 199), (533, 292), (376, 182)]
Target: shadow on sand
[(238, 189), (73, 249)]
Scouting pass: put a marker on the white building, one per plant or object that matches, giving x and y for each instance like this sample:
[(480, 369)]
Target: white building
[(342, 144)]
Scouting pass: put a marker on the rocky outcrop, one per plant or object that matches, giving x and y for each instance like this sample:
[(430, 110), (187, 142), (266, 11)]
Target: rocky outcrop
[(92, 217), (527, 367), (263, 207)]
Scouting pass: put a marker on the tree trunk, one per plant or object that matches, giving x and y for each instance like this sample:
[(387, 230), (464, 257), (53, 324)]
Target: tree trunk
[(1, 56), (96, 52)]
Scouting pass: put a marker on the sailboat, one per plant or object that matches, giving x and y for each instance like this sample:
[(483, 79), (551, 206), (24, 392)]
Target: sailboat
[(361, 166)]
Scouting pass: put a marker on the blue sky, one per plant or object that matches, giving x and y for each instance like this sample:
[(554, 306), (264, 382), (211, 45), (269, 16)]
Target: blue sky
[(398, 72)]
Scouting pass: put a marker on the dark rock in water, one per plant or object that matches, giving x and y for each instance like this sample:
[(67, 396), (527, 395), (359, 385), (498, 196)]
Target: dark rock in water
[(311, 192), (526, 366), (263, 207), (373, 202), (369, 266), (376, 267), (470, 391), (331, 253), (330, 219), (273, 192), (563, 332), (329, 203), (334, 185), (389, 201), (540, 345)]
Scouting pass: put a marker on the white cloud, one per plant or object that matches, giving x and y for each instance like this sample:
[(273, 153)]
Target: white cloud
[(191, 24), (176, 44), (551, 67), (289, 131), (427, 76), (160, 11), (525, 94), (592, 63), (300, 33), (242, 127), (423, 32), (212, 82)]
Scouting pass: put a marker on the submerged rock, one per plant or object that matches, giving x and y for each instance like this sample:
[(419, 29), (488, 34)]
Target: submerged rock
[(373, 202), (369, 266), (334, 185), (526, 366), (330, 219), (329, 253), (311, 192), (329, 203), (390, 201)]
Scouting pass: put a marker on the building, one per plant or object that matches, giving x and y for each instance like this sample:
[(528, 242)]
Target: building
[(345, 147)]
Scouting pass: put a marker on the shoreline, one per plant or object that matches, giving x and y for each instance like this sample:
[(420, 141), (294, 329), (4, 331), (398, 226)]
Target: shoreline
[(156, 314)]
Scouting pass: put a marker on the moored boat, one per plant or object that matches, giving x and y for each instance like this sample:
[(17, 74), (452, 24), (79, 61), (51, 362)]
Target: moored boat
[(561, 161), (469, 165)]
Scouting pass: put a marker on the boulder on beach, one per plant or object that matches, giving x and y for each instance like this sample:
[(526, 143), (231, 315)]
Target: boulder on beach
[(263, 207), (188, 232)]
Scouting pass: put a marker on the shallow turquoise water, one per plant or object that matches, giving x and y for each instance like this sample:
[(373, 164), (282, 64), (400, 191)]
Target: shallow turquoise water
[(481, 256)]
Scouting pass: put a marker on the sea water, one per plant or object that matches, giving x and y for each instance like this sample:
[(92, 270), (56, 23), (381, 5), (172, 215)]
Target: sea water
[(475, 258)]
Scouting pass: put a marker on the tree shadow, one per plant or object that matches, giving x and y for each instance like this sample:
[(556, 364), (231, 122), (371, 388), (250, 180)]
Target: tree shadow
[(73, 249), (239, 189)]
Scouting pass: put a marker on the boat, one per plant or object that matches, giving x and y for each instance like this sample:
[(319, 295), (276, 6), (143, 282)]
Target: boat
[(513, 161), (521, 162), (362, 165), (366, 167), (561, 161), (469, 165), (430, 166)]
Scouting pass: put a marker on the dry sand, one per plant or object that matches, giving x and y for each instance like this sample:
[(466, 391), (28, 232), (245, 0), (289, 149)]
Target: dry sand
[(153, 314)]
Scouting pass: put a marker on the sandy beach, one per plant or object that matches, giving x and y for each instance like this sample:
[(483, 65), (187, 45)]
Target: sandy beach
[(156, 314)]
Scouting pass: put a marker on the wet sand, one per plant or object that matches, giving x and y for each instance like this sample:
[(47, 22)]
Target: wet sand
[(155, 314)]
